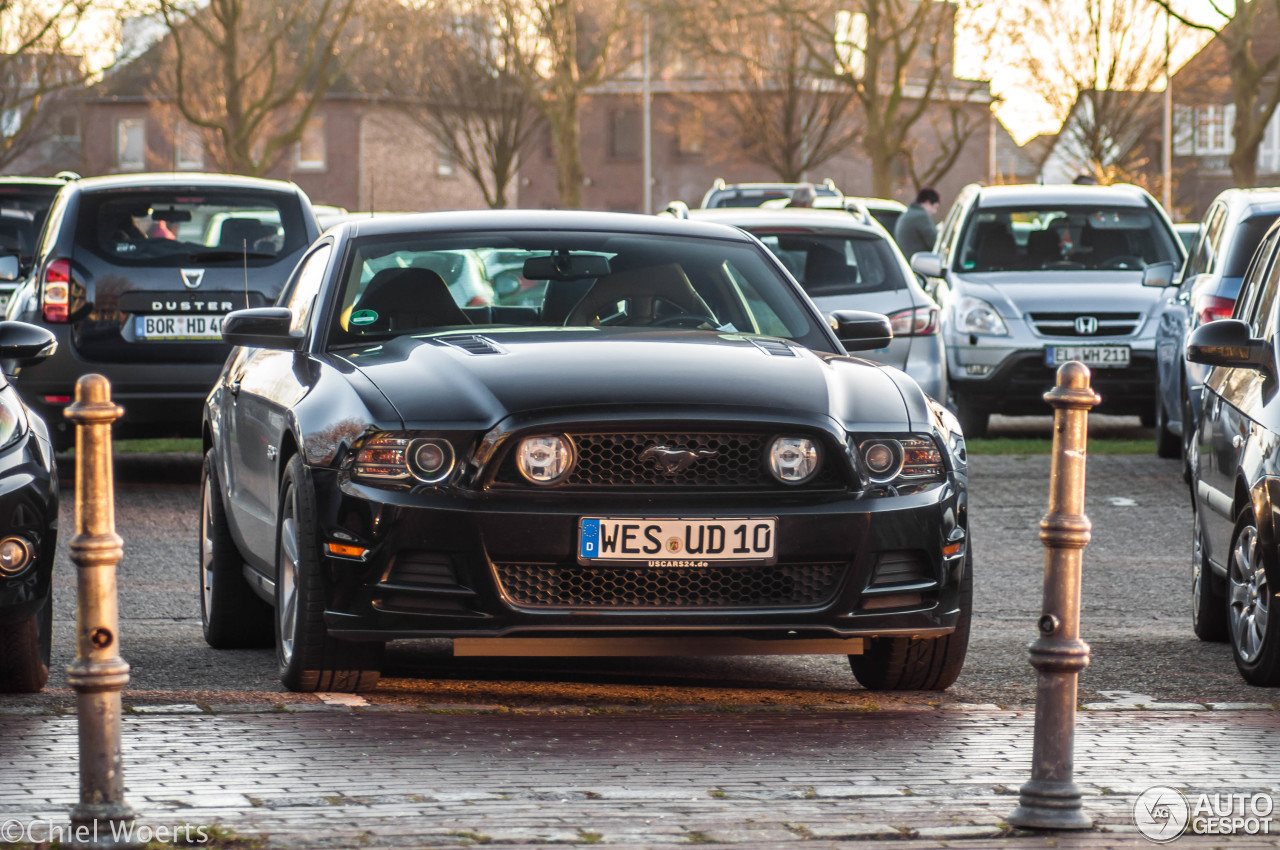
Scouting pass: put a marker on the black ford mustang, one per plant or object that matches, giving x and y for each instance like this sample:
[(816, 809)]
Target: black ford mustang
[(650, 442)]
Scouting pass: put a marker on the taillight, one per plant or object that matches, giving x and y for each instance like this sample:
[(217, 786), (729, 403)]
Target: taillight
[(914, 321), (1210, 308), (56, 291)]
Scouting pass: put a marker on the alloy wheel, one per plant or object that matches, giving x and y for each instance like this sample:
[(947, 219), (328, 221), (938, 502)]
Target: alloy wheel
[(1249, 596), (287, 587), (1197, 566), (206, 548)]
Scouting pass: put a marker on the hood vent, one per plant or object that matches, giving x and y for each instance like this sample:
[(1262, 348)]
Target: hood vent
[(474, 344), (776, 347)]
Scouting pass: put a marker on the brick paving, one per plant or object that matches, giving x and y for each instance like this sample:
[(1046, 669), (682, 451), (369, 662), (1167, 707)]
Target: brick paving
[(341, 777)]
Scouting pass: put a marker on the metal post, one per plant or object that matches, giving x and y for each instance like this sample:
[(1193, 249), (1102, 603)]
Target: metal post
[(647, 110), (98, 674), (1051, 799)]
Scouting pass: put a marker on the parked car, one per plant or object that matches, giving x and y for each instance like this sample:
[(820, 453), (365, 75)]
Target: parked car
[(883, 210), (1187, 231), (24, 205), (133, 276), (672, 453), (1233, 227), (28, 519), (723, 194), (851, 263), (1235, 469), (1030, 277)]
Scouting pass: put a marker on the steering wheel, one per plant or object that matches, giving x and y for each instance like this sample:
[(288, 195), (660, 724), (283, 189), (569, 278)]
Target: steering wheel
[(694, 320), (1122, 261)]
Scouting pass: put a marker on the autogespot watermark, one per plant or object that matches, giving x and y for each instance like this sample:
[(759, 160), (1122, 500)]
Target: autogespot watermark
[(1163, 814), (38, 831)]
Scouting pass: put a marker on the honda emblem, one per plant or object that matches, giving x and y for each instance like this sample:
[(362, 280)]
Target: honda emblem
[(1086, 325)]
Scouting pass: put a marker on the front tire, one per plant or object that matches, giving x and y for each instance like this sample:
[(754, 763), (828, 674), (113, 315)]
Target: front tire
[(1255, 635), (231, 614), (1168, 444), (309, 659), (973, 417), (918, 664), (24, 652)]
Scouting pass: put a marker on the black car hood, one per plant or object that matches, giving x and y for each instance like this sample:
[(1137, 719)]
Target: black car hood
[(432, 383)]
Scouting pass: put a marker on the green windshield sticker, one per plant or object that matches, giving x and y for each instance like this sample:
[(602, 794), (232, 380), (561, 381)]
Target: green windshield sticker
[(364, 317)]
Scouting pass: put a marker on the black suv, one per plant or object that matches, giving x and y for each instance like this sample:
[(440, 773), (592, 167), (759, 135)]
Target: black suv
[(24, 205), (133, 275)]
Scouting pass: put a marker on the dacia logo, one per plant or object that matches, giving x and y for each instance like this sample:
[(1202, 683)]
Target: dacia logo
[(674, 461)]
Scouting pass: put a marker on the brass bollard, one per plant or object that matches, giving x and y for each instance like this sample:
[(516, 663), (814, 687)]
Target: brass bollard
[(1051, 800), (98, 674)]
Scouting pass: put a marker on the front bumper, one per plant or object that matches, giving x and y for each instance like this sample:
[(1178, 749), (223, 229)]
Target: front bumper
[(504, 565)]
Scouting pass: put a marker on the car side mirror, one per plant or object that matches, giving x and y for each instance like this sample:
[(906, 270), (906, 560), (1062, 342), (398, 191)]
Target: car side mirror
[(927, 264), (261, 327), (860, 330), (1158, 274), (1226, 342), (10, 267), (26, 344)]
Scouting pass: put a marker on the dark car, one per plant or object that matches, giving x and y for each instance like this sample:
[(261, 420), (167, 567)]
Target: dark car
[(672, 453), (134, 274), (1235, 467), (28, 519), (1233, 226), (24, 205)]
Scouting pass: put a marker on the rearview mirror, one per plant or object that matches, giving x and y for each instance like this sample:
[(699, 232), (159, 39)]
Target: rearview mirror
[(565, 266), (261, 327), (1227, 342), (1158, 274), (927, 264), (26, 343), (861, 330)]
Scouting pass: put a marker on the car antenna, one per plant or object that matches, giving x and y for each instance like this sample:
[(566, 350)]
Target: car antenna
[(244, 247)]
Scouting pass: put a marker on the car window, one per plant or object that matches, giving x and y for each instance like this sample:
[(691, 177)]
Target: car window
[(1244, 242), (397, 285), (832, 264), (170, 229), (310, 276), (1206, 245), (1065, 238), (1252, 285), (1260, 319), (22, 214)]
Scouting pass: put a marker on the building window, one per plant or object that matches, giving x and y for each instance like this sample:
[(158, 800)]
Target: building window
[(1269, 150), (851, 43), (131, 144), (10, 122), (311, 149), (1214, 129), (624, 135), (445, 164), (690, 133), (1184, 130), (188, 146), (68, 127)]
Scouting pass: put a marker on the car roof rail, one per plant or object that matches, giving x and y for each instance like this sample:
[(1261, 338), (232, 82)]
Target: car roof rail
[(831, 184), (858, 209), (66, 175), (676, 209), (718, 183)]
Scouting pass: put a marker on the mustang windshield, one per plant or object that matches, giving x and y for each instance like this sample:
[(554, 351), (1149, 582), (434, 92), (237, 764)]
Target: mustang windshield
[(424, 283), (1004, 239)]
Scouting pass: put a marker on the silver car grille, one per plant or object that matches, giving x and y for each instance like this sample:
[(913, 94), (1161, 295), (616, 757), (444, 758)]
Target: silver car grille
[(1085, 325)]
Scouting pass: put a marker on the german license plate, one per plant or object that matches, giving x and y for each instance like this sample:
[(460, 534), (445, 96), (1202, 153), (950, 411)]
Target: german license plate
[(178, 327), (676, 542), (1093, 356)]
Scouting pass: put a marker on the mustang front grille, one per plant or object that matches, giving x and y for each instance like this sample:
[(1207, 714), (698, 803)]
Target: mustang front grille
[(675, 460), (782, 585)]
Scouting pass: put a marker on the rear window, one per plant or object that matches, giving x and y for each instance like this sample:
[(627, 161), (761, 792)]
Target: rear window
[(829, 264), (22, 214), (171, 229), (1248, 237)]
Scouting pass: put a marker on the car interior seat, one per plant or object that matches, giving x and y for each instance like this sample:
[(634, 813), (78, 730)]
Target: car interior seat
[(997, 250), (408, 299), (825, 269), (244, 233)]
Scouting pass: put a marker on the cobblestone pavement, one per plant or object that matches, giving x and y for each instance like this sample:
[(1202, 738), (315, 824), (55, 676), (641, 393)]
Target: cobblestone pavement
[(341, 777)]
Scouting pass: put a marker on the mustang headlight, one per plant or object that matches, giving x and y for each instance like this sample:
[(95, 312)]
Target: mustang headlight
[(793, 460), (427, 460), (545, 459), (975, 316), (898, 461), (13, 423)]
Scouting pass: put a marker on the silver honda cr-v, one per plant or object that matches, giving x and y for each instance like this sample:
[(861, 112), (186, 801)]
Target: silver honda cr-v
[(1030, 277)]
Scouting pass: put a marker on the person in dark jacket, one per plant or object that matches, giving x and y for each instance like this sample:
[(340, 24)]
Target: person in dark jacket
[(915, 230)]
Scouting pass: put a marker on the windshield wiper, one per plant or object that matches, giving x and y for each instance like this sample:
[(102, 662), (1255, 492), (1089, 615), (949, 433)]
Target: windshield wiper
[(226, 254)]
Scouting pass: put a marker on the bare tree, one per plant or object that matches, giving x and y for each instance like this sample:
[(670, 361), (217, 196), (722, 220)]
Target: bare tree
[(1097, 65), (39, 69), (451, 68), (249, 75), (778, 95), (1245, 49)]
